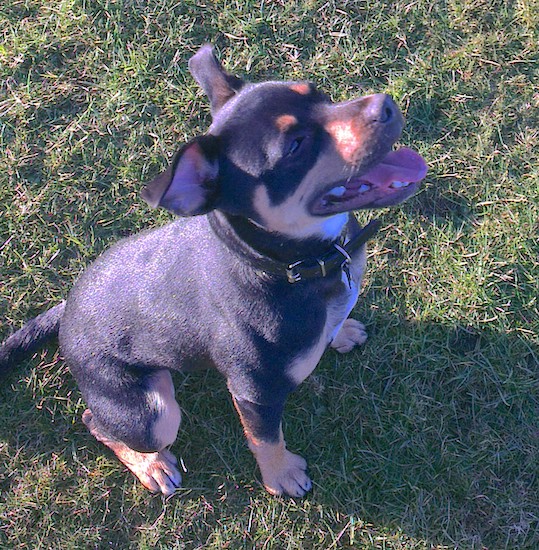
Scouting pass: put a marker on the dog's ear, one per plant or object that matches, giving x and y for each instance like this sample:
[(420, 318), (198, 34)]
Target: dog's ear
[(189, 186), (218, 85)]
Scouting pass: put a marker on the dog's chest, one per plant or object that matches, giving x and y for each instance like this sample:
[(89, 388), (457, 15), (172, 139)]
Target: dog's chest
[(338, 308)]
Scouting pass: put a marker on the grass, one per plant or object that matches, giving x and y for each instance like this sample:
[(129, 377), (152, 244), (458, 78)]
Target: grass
[(425, 438)]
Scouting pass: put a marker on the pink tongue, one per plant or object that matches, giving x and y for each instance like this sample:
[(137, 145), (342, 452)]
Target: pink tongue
[(402, 165)]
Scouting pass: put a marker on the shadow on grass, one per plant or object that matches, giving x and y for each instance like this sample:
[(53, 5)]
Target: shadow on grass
[(448, 441), (428, 435)]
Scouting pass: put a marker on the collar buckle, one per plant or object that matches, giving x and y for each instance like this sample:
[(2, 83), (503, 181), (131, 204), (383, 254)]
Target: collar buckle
[(347, 258), (322, 265), (345, 265), (292, 275)]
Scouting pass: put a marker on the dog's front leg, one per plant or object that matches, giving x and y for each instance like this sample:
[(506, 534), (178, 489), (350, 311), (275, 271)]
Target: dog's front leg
[(282, 472)]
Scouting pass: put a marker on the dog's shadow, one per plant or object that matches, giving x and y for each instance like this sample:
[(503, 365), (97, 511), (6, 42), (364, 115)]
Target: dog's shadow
[(438, 433), (431, 433)]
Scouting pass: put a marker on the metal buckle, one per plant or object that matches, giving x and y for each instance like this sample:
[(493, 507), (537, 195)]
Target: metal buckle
[(347, 258), (291, 275), (295, 276), (322, 265), (345, 266)]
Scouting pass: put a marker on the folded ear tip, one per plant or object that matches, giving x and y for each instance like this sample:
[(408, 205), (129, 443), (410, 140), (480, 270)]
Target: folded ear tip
[(206, 48), (188, 186), (204, 54), (149, 197), (153, 192)]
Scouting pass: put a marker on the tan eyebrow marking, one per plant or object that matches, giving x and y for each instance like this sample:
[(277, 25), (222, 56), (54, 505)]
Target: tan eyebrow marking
[(285, 122), (301, 88)]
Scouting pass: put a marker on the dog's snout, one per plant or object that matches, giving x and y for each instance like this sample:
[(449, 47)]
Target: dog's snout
[(356, 125), (380, 109)]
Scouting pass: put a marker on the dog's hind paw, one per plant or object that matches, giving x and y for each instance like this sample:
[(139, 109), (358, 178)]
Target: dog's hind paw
[(351, 334), (157, 471)]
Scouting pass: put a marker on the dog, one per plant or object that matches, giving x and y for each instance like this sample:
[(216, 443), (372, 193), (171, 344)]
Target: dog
[(256, 280)]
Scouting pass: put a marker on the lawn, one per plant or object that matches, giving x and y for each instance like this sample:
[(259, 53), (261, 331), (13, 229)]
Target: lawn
[(428, 436)]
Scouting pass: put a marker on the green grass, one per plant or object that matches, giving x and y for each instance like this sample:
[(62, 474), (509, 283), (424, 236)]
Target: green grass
[(427, 437)]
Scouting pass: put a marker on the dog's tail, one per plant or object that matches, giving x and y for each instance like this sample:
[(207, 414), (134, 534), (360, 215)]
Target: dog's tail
[(30, 337)]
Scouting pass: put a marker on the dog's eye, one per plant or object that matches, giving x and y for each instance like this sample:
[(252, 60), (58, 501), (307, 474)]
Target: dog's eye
[(295, 145)]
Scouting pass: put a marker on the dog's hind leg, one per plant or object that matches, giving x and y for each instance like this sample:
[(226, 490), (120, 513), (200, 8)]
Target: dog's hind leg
[(139, 427)]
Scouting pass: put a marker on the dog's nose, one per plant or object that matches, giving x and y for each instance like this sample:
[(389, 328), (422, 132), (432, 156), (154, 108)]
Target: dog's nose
[(380, 109)]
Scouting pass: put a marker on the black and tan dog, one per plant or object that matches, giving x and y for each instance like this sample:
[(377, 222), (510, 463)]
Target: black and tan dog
[(256, 282)]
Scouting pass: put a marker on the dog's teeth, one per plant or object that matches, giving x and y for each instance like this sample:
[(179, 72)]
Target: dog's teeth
[(399, 184), (337, 191), (364, 188)]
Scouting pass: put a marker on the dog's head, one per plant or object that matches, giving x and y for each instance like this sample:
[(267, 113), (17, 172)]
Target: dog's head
[(284, 156)]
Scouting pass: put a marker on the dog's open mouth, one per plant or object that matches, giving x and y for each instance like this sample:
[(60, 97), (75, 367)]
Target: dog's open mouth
[(389, 182)]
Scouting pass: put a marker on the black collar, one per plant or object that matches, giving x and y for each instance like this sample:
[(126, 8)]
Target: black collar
[(337, 258)]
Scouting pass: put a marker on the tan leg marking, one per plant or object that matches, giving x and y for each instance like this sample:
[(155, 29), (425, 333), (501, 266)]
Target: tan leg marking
[(156, 471), (351, 334), (162, 400), (282, 472)]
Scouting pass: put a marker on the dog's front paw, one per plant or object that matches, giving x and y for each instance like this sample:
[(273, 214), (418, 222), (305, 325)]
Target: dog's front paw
[(287, 476), (351, 334)]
